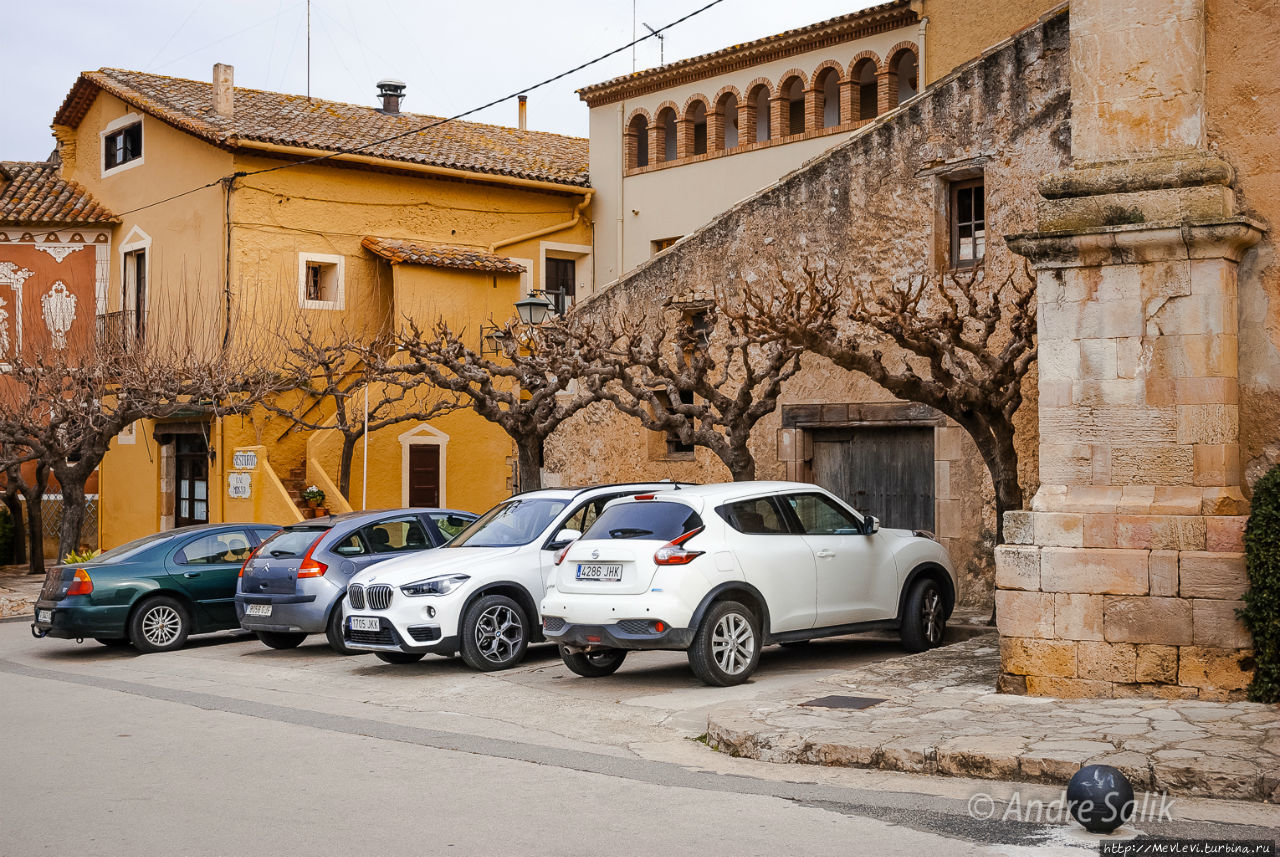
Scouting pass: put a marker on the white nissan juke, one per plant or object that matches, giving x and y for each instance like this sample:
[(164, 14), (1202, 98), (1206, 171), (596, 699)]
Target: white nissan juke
[(722, 570)]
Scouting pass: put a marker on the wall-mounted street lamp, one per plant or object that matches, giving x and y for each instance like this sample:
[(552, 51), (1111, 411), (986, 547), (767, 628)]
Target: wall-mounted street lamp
[(534, 309)]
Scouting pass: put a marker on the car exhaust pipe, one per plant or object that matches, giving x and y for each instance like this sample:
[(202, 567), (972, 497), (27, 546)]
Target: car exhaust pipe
[(37, 633)]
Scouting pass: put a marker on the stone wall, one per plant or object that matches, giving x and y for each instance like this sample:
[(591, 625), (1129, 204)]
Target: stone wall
[(876, 203)]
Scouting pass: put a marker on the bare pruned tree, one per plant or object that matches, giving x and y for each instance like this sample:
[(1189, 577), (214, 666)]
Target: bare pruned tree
[(65, 406), (28, 534), (700, 375), (335, 371), (540, 375), (959, 342)]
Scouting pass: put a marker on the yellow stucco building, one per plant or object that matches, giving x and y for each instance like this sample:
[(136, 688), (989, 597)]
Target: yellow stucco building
[(230, 231)]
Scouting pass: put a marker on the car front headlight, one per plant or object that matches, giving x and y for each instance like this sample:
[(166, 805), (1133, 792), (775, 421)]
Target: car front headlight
[(435, 585)]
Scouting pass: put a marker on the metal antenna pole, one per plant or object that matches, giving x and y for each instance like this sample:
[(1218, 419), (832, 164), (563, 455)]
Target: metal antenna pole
[(308, 50), (633, 35), (662, 44)]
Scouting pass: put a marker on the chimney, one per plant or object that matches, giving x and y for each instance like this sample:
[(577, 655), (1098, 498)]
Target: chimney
[(224, 90), (391, 92), (524, 112)]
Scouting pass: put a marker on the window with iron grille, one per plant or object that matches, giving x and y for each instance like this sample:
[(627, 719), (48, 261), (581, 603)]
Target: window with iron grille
[(968, 223), (561, 284)]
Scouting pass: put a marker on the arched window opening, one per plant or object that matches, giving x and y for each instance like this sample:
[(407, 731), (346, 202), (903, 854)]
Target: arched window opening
[(667, 134), (728, 110), (908, 75), (697, 116), (828, 87), (764, 123), (638, 142), (864, 75), (794, 91)]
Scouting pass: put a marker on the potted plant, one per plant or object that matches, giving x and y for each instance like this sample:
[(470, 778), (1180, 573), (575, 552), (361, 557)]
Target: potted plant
[(313, 496)]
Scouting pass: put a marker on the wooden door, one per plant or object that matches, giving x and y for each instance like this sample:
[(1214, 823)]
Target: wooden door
[(191, 497), (424, 474), (886, 472)]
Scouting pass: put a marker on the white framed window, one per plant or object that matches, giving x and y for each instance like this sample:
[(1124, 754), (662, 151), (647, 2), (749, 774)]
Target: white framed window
[(566, 273), (122, 144), (320, 281), (422, 477)]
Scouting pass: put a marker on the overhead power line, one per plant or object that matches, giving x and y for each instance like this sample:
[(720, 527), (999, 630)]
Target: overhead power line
[(438, 122)]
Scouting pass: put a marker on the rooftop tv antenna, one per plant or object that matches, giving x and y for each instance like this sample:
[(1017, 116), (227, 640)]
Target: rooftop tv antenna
[(661, 44)]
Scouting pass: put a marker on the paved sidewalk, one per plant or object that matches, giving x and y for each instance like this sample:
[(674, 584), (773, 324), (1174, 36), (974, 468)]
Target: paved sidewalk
[(940, 715), (18, 591)]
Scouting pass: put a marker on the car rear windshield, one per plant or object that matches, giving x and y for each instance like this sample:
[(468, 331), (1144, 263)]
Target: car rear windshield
[(120, 554), (644, 519), (291, 542), (516, 522)]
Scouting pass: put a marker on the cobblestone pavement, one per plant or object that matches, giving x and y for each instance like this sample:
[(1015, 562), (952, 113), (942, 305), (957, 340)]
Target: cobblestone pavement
[(18, 591), (940, 715)]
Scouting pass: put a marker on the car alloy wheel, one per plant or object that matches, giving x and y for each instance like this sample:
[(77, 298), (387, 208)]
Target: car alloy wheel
[(159, 624), (931, 617), (498, 633), (733, 644)]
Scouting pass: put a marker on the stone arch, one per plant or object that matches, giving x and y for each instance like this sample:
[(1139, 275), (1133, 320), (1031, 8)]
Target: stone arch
[(693, 130), (662, 133), (828, 109), (900, 74), (864, 86), (725, 110), (636, 139), (789, 100), (755, 123)]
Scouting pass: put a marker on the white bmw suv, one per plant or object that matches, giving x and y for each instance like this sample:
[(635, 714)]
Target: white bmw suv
[(477, 595), (722, 570)]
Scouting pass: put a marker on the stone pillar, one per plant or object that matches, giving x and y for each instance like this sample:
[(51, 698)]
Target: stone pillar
[(657, 143), (848, 102), (814, 108), (746, 122), (779, 116), (715, 129), (684, 137), (1123, 578), (887, 91)]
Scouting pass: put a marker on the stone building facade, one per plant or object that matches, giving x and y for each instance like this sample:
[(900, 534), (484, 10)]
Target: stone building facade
[(879, 203)]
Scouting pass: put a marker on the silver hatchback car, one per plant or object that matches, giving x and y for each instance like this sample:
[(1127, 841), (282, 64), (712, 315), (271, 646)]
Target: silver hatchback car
[(294, 583)]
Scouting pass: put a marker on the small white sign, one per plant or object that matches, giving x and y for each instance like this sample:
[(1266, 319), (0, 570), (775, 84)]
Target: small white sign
[(244, 460), (239, 485)]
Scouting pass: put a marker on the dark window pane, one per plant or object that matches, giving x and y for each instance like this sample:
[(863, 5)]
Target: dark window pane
[(821, 515), (759, 516), (649, 520)]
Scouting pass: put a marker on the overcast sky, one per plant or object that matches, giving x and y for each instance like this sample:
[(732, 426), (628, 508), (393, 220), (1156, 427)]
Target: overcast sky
[(453, 54)]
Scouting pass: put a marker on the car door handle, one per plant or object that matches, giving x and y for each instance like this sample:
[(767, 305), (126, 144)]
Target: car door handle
[(191, 574), (825, 553)]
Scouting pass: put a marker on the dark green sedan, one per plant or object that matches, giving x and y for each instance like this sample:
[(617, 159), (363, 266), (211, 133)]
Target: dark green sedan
[(152, 592)]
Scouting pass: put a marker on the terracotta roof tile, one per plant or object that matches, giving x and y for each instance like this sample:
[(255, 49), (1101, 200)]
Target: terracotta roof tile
[(293, 120), (35, 192), (400, 251)]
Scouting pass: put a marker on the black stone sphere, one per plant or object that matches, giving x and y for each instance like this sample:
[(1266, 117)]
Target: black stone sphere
[(1100, 798)]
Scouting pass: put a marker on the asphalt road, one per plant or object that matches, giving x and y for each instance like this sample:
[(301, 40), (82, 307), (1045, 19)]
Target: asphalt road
[(228, 747)]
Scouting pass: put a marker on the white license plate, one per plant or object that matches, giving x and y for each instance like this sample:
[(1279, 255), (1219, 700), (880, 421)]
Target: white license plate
[(599, 572), (258, 610), (362, 623), (44, 616)]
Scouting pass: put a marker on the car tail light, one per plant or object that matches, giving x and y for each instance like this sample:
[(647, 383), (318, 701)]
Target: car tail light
[(312, 567), (564, 551), (673, 554), (249, 559), (81, 584), (644, 497)]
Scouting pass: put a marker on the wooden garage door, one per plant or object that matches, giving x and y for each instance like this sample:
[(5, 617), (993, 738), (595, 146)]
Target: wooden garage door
[(886, 472), (424, 474)]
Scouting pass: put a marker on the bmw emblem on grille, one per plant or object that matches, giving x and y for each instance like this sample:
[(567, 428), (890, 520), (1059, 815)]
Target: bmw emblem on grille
[(595, 554)]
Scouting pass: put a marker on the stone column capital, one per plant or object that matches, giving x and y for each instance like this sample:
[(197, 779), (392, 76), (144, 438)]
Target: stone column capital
[(1138, 243)]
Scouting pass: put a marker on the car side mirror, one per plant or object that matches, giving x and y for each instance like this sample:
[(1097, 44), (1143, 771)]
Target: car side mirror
[(564, 538), (871, 525)]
